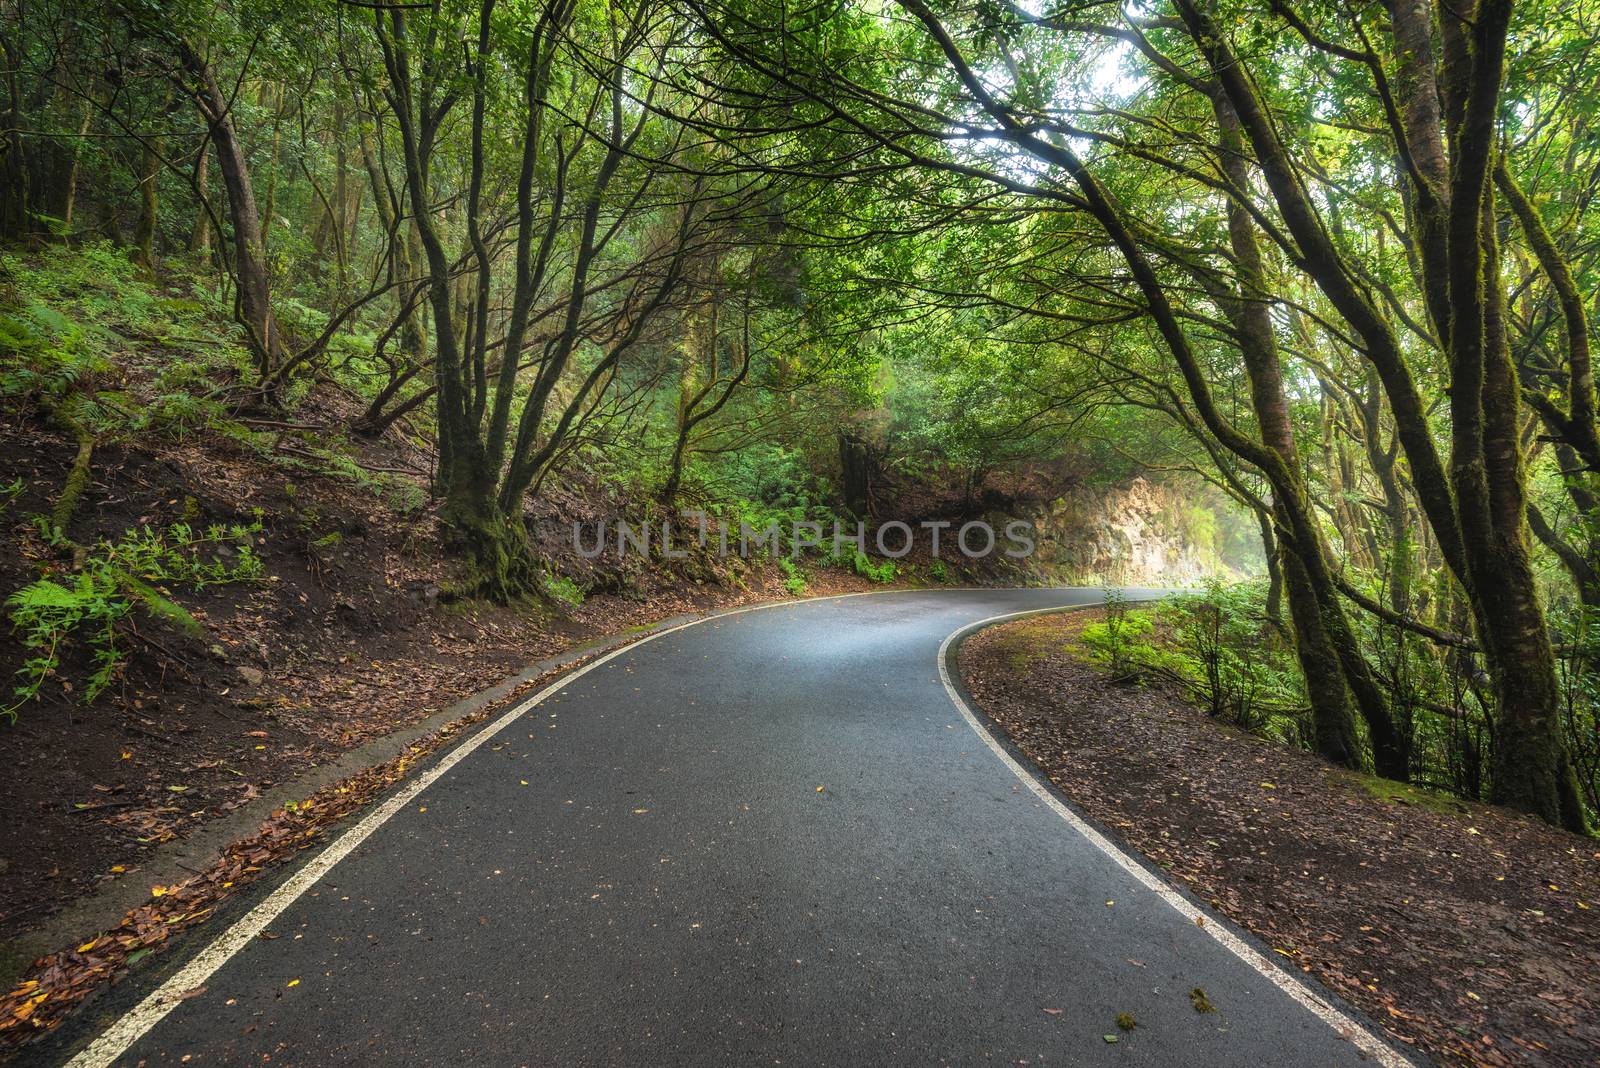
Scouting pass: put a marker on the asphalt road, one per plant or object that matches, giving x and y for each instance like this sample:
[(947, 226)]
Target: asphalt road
[(769, 838)]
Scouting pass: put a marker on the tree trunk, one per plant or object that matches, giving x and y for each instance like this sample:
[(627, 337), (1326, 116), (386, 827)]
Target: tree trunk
[(855, 463), (1532, 770), (499, 565), (1269, 550), (69, 186), (1327, 686), (200, 236), (144, 232), (14, 217), (250, 267)]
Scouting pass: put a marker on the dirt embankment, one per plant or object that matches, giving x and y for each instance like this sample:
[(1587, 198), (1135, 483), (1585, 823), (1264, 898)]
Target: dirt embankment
[(1465, 931)]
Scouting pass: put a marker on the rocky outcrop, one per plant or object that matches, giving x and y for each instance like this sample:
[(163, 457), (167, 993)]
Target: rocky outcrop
[(1145, 532)]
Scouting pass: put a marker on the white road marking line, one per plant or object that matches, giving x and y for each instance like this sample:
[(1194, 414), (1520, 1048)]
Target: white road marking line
[(138, 1021), (1358, 1035)]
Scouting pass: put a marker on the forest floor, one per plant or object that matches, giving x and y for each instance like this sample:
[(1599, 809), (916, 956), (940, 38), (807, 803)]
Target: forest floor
[(347, 639), (1465, 931)]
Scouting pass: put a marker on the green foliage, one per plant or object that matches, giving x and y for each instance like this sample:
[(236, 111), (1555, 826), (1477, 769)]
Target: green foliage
[(45, 354), (114, 579), (77, 326), (767, 486), (563, 589), (178, 415), (1578, 672), (47, 613), (1234, 665), (180, 554), (1117, 641), (795, 577), (1232, 661), (1217, 646), (884, 571)]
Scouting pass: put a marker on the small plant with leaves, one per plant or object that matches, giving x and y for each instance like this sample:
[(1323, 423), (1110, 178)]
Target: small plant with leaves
[(795, 578), (563, 590), (9, 492), (882, 572), (116, 578), (47, 613), (1117, 640)]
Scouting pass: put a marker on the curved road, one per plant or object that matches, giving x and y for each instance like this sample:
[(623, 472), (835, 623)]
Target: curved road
[(642, 869)]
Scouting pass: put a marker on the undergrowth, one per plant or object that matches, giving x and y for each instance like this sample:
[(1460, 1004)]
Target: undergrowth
[(114, 579)]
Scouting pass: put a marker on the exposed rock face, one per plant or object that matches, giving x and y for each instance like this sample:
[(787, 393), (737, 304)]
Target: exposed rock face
[(1146, 533)]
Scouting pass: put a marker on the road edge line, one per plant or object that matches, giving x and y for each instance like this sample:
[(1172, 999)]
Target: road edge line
[(138, 1021), (1353, 1031)]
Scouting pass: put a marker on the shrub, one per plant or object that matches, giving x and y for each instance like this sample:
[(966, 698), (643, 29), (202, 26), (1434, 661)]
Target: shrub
[(1222, 650), (47, 613)]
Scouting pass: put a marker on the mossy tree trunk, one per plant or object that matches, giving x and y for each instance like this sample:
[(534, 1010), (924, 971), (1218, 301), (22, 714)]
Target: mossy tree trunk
[(499, 564), (200, 235), (1311, 609), (1476, 505), (250, 267)]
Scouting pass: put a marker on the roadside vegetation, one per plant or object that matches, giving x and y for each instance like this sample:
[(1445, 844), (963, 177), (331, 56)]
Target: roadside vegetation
[(1464, 932), (1230, 657), (324, 323)]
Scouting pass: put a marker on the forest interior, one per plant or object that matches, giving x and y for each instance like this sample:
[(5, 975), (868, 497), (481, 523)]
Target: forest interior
[(357, 354)]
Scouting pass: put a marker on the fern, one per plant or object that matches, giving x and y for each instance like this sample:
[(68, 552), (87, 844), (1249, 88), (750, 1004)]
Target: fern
[(116, 578), (48, 613), (563, 589), (795, 578)]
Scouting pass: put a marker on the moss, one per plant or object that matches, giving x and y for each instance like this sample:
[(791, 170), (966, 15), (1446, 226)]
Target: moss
[(1392, 792), (1025, 644)]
